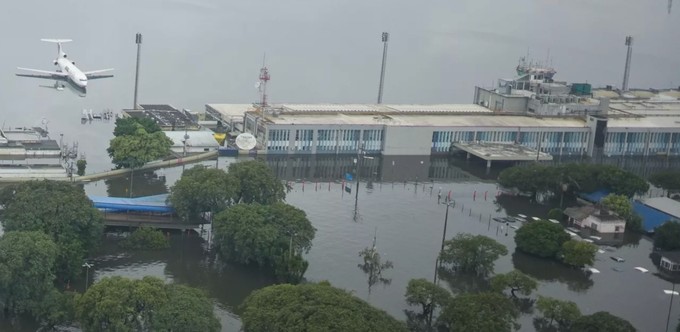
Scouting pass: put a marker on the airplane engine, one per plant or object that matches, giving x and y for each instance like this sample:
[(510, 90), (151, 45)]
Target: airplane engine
[(55, 62), (65, 56)]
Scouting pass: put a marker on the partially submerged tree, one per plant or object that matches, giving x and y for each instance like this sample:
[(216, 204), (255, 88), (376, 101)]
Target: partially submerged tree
[(263, 235), (479, 312), (203, 190), (121, 304), (139, 148), (602, 321), (668, 180), (128, 126), (257, 183), (667, 236), (427, 295), (564, 313), (472, 253), (146, 238), (578, 253), (541, 238), (516, 281), (312, 307), (27, 262), (61, 211)]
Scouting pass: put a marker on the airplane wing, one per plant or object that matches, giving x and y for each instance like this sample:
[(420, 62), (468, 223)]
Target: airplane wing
[(44, 74), (93, 74)]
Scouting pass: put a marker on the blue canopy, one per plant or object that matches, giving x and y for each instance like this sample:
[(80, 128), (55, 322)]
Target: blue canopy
[(155, 203), (596, 196)]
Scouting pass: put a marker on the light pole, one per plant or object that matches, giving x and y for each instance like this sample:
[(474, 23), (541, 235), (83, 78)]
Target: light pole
[(670, 305), (361, 154), (87, 273), (437, 262)]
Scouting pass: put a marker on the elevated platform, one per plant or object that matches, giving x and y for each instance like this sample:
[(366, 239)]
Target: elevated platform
[(502, 152)]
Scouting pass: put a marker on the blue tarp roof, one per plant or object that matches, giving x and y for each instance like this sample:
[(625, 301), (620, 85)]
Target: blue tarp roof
[(651, 218), (155, 203)]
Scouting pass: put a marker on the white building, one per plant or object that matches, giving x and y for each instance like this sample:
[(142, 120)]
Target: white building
[(198, 141), (596, 218)]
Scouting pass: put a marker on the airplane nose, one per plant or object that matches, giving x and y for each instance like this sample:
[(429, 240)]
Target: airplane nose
[(83, 83)]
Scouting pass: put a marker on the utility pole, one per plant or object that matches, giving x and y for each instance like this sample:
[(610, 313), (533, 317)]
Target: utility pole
[(87, 267), (138, 41), (385, 37), (356, 193)]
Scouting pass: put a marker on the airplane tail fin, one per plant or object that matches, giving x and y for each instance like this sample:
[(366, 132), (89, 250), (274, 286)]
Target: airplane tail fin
[(58, 42)]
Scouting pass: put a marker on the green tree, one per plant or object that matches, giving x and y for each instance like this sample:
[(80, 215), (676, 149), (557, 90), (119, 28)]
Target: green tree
[(374, 266), (619, 204), (128, 126), (516, 281), (602, 321), (668, 180), (146, 238), (667, 236), (541, 238), (26, 271), (57, 309), (80, 165), (427, 295), (479, 312), (578, 253), (121, 304), (556, 214), (564, 313), (203, 190), (133, 151), (262, 235), (312, 307), (187, 310), (532, 178), (473, 253), (59, 210), (257, 183)]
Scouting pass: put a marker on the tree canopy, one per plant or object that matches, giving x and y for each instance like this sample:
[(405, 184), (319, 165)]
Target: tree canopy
[(668, 180), (516, 281), (257, 183), (578, 253), (479, 312), (577, 177), (201, 190), (146, 238), (602, 321), (27, 262), (121, 304), (564, 313), (473, 253), (622, 206), (61, 211), (427, 295), (128, 126), (312, 307), (667, 236), (264, 235), (541, 238), (139, 148)]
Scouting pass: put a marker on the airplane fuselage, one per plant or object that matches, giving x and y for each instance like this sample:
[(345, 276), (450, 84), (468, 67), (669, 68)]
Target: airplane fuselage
[(75, 76)]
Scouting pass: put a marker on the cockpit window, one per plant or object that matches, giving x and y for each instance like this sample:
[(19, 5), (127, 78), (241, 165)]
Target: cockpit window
[(83, 79)]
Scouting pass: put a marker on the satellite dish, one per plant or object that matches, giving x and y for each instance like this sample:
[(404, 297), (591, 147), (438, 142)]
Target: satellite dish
[(246, 141)]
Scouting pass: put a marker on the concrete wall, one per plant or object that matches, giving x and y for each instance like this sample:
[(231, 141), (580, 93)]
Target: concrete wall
[(604, 227), (407, 141), (498, 102)]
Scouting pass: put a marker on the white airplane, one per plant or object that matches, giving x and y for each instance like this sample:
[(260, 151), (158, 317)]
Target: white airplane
[(66, 72)]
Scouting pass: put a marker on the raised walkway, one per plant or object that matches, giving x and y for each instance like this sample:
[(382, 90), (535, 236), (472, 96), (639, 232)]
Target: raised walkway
[(117, 172)]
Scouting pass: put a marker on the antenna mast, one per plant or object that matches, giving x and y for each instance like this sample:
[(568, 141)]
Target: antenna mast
[(262, 86)]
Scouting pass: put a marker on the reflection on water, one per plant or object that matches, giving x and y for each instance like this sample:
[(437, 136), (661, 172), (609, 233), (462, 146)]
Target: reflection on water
[(550, 270)]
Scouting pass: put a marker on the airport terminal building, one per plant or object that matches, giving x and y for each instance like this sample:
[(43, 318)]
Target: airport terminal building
[(635, 128)]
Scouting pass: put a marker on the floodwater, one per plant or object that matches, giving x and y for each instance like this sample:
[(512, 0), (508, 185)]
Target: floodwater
[(407, 221), (210, 51)]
